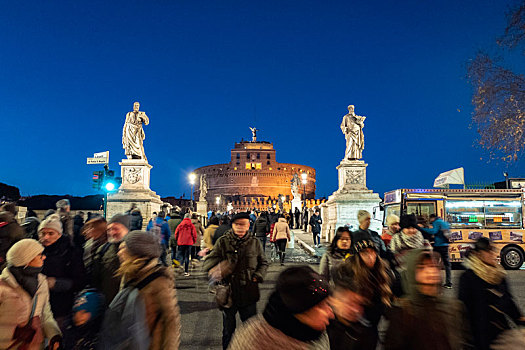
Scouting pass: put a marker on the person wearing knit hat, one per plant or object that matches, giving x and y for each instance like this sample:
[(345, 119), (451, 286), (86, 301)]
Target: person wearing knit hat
[(364, 230), (295, 317), (392, 223), (118, 227), (407, 239), (63, 204), (20, 283), (142, 244)]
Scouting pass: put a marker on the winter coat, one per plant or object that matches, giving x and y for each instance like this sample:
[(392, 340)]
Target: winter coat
[(135, 220), (208, 236), (257, 334), (261, 226), (330, 261), (484, 303), (281, 230), (162, 310), (67, 223), (221, 230), (173, 222), (10, 233), (15, 309), (78, 238), (374, 236), (418, 321), (30, 225), (186, 234), (64, 262), (105, 266), (200, 231), (315, 222), (354, 336), (164, 229), (438, 226), (249, 260), (90, 248)]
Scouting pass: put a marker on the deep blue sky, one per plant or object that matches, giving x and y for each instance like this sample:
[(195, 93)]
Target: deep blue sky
[(204, 71)]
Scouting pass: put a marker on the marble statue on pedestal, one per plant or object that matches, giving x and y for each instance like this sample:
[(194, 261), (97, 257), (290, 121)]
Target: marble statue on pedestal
[(133, 134), (352, 126), (254, 134), (295, 186), (203, 188)]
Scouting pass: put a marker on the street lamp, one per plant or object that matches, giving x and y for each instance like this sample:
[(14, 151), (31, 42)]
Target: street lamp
[(192, 178), (304, 178)]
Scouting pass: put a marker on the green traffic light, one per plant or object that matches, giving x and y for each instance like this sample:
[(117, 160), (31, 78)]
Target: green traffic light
[(110, 186)]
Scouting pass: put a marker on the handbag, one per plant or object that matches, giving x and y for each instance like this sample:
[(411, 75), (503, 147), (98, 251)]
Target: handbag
[(23, 335), (223, 296)]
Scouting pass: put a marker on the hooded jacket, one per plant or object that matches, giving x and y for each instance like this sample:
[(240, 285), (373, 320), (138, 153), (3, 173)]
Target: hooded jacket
[(420, 321), (261, 226), (186, 234), (281, 230)]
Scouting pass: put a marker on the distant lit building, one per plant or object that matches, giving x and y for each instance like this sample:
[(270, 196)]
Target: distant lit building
[(252, 176)]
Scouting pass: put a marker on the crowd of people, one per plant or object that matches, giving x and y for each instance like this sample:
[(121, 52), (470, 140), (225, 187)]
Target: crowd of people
[(70, 284)]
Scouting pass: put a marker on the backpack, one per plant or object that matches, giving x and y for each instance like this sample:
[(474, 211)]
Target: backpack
[(124, 326)]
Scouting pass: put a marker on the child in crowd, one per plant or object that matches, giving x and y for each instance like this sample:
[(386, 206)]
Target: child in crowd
[(88, 312)]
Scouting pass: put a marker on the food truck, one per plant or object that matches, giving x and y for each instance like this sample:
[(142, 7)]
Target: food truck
[(472, 213)]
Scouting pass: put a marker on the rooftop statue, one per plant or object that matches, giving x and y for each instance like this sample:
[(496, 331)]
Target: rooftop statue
[(133, 134)]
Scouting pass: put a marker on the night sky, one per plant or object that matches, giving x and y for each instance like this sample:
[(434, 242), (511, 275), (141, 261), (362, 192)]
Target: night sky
[(204, 71)]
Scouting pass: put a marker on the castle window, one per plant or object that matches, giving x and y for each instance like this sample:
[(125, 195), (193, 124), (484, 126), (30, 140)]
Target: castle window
[(268, 163), (267, 155), (238, 163), (247, 155), (238, 155), (258, 156)]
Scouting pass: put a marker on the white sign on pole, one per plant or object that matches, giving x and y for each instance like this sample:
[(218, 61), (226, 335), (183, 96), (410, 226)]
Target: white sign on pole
[(99, 158), (452, 177)]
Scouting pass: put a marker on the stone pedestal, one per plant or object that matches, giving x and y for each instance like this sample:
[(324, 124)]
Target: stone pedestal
[(296, 203), (202, 208), (352, 195), (134, 189)]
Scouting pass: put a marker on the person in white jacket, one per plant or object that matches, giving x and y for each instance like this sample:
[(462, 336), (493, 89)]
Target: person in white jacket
[(281, 236), (24, 297)]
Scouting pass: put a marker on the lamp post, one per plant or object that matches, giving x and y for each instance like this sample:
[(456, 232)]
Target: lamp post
[(192, 178), (304, 179)]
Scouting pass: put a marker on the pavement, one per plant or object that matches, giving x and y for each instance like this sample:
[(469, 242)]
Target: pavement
[(202, 321)]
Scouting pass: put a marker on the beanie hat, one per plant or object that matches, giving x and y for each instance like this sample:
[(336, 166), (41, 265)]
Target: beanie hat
[(23, 251), (362, 215), (408, 220), (90, 300), (63, 203), (142, 244), (362, 240), (242, 215), (53, 222), (122, 219), (301, 288), (187, 216), (392, 219)]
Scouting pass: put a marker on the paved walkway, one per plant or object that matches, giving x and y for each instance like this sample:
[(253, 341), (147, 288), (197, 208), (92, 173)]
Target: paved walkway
[(305, 240)]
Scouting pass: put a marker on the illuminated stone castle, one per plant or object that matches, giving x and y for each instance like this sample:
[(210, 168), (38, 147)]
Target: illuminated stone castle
[(252, 176)]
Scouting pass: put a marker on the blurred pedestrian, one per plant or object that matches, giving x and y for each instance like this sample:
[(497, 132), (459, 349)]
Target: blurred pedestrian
[(83, 331), (139, 255), (315, 222), (26, 320), (297, 214), (262, 228), (295, 317), (483, 288), (173, 222), (392, 223), (210, 231), (78, 238), (30, 224), (281, 236), (243, 252), (105, 260), (423, 318), (200, 233), (339, 251), (63, 211), (63, 268), (407, 239), (346, 331), (136, 218), (373, 273), (160, 228), (95, 233), (10, 233), (186, 236), (365, 220), (224, 227), (438, 230)]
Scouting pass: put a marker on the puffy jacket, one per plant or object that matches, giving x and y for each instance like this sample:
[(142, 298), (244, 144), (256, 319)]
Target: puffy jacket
[(437, 231), (186, 234), (315, 222), (64, 262), (249, 260), (262, 226), (208, 236), (135, 222), (281, 230)]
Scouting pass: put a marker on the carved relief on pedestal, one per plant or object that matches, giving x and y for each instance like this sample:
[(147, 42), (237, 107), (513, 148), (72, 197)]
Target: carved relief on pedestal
[(354, 177), (133, 175)]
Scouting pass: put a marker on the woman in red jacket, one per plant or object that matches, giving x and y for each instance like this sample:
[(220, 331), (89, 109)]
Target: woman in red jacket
[(186, 236)]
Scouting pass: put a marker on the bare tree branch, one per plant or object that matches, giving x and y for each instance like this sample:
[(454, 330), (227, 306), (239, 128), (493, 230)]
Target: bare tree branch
[(515, 30)]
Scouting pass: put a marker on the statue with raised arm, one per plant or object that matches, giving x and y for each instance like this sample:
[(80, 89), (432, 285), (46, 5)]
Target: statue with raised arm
[(254, 134), (133, 134), (352, 126), (203, 188)]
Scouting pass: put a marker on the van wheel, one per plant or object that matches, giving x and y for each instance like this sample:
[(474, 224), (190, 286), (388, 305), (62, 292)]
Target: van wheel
[(511, 258)]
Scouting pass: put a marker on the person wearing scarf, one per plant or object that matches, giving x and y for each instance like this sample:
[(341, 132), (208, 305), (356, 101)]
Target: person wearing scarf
[(484, 290), (423, 318), (21, 286), (337, 253), (295, 317), (407, 239)]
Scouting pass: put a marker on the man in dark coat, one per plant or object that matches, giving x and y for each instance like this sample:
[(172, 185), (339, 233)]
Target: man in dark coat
[(315, 222), (297, 214), (243, 255), (262, 228), (135, 218), (63, 267), (78, 238)]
